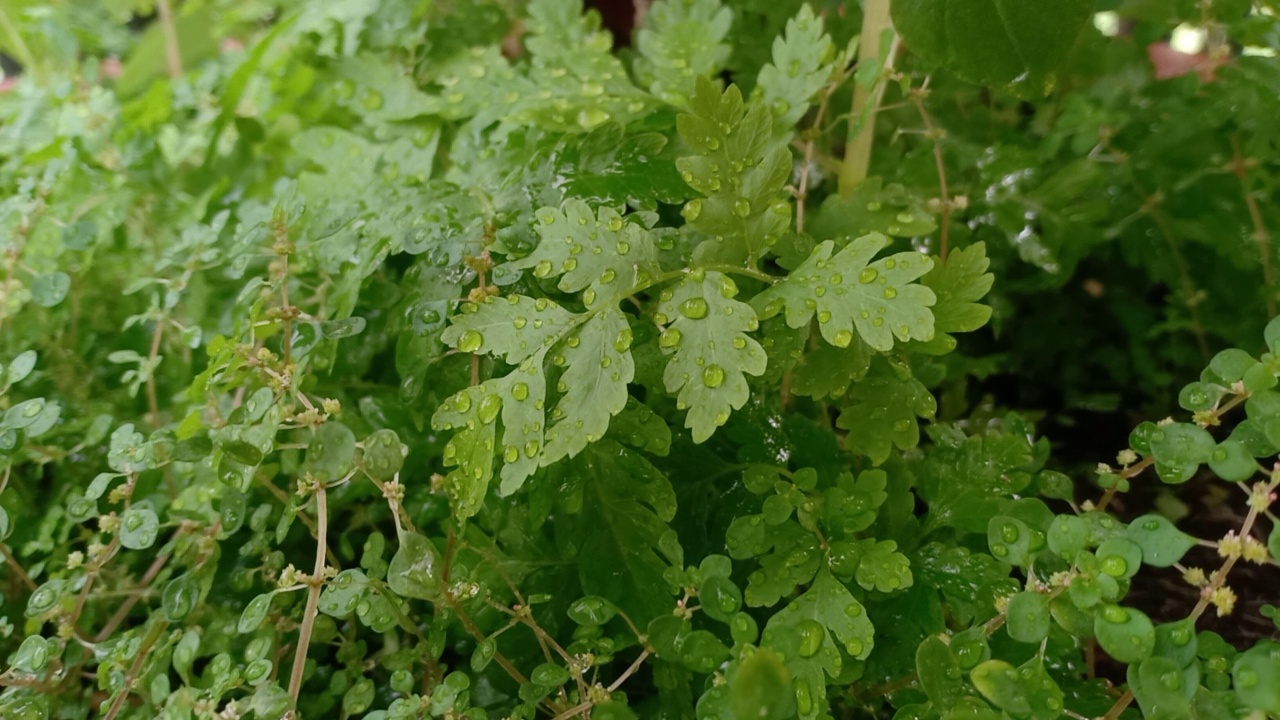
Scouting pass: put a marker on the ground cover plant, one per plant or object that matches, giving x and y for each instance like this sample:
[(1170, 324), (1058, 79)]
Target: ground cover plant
[(744, 360)]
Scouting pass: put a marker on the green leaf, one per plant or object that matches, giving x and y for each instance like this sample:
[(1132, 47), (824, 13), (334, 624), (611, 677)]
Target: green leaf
[(681, 40), (383, 454), (1067, 536), (711, 354), (608, 167), (740, 172), (882, 567), (332, 452), (414, 568), (21, 366), (599, 252), (827, 370), (1028, 617), (49, 289), (803, 59), (1256, 677), (849, 290), (33, 655), (873, 207), (254, 613), (1179, 449), (761, 688), (1162, 544), (1233, 462), (594, 384), (641, 428), (1125, 633), (1011, 540), (1162, 689), (939, 672), (139, 527), (883, 411), (472, 413), (993, 42), (806, 633), (1022, 692), (620, 509), (514, 328), (959, 283)]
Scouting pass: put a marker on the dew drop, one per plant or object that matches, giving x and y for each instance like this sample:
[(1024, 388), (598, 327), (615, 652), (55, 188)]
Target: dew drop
[(713, 376)]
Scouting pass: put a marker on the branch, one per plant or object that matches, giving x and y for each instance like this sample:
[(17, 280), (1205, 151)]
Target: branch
[(313, 597), (1260, 234), (172, 55)]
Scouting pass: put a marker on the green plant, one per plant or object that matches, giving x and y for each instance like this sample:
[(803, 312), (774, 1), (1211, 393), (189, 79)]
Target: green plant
[(440, 360)]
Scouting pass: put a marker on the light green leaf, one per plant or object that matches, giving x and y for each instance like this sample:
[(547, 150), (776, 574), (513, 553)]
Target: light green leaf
[(740, 172), (139, 527), (600, 253), (883, 413), (1179, 449), (413, 571), (803, 60), (512, 328), (849, 290), (681, 40), (994, 42), (594, 384), (1125, 633), (806, 633), (1025, 692), (711, 353), (472, 412)]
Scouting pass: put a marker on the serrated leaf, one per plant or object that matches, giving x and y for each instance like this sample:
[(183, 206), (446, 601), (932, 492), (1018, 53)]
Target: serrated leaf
[(598, 252), (881, 567), (512, 328), (993, 42), (594, 383), (711, 354), (806, 633), (681, 40), (848, 290), (827, 370), (472, 413), (801, 67), (618, 528), (883, 411), (641, 428), (872, 208), (740, 172), (959, 283), (608, 167)]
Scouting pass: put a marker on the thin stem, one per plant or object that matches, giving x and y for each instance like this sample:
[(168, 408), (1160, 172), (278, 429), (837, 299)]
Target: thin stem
[(313, 597), (933, 132), (1151, 206), (1260, 234), (1119, 706), (16, 568), (172, 55), (153, 636), (866, 99), (631, 670), (802, 192)]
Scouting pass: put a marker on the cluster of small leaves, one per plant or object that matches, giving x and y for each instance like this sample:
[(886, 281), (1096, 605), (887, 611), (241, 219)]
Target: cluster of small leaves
[(435, 360)]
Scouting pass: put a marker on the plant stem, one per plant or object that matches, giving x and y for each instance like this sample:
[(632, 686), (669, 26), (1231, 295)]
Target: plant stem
[(153, 636), (1260, 234), (935, 134), (172, 55), (866, 99), (313, 598)]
